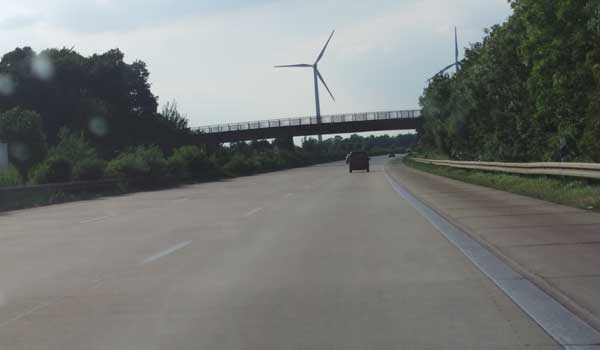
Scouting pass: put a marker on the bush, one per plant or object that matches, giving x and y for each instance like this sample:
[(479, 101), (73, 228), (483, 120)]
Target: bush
[(290, 159), (10, 177), (267, 161), (191, 163), (22, 130), (238, 165), (140, 167), (89, 169), (82, 155), (52, 170)]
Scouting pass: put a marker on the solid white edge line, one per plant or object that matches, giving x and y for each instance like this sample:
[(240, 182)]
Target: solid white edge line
[(562, 325), (165, 252)]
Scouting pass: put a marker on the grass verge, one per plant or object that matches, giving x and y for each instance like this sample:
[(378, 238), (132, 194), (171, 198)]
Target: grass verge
[(579, 193)]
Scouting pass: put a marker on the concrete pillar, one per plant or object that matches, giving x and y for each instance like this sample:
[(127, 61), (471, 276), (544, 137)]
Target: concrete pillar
[(285, 142)]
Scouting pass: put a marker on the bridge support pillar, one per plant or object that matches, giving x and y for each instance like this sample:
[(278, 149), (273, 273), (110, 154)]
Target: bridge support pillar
[(284, 142)]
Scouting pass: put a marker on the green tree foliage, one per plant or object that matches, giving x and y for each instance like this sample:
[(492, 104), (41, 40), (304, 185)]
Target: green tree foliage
[(22, 130), (81, 154), (140, 167), (168, 129), (102, 95), (73, 158), (529, 91), (191, 163), (243, 158), (10, 177), (52, 170)]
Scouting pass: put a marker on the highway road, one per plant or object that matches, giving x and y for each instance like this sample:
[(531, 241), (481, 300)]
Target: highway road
[(310, 258)]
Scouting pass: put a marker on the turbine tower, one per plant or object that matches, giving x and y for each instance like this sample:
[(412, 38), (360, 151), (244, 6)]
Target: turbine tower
[(456, 63), (316, 76)]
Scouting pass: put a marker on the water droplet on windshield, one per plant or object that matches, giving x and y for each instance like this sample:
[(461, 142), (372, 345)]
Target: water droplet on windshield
[(98, 126), (19, 151), (7, 85), (42, 68)]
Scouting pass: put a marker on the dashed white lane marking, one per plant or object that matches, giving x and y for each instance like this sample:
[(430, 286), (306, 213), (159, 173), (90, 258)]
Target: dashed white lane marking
[(25, 313), (166, 252), (96, 284), (100, 218), (253, 211), (180, 200)]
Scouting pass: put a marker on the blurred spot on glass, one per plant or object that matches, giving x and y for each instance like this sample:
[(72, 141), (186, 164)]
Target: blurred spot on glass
[(19, 151), (7, 85), (98, 126), (42, 68)]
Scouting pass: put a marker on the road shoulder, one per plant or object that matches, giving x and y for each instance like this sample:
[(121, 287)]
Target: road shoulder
[(555, 247)]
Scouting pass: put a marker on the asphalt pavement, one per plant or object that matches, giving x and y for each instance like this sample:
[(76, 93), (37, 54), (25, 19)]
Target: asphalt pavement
[(310, 258)]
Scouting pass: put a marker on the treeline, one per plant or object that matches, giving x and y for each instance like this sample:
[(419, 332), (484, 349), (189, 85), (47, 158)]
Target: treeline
[(101, 98), (529, 91), (74, 158), (67, 117)]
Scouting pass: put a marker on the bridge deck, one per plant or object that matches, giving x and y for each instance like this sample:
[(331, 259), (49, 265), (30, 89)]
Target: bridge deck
[(329, 124)]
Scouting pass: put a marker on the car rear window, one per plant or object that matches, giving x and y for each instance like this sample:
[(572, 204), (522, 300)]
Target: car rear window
[(359, 155)]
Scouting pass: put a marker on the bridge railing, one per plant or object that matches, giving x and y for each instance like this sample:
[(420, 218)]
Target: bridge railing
[(326, 119)]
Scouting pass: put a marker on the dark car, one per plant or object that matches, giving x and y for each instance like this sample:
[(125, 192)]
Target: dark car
[(391, 155), (358, 161)]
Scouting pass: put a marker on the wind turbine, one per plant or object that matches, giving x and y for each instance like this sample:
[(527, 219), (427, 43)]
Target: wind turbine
[(456, 63), (317, 76)]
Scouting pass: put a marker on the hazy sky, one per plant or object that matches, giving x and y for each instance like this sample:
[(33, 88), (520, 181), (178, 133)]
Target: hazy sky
[(215, 57)]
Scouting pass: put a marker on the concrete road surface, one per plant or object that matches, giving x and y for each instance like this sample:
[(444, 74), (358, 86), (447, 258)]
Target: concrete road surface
[(312, 258)]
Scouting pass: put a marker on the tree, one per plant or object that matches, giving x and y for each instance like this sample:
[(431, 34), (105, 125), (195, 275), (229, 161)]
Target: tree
[(102, 95), (22, 130), (173, 117), (529, 91)]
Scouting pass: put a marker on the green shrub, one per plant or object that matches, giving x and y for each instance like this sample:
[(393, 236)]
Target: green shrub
[(89, 169), (191, 163), (10, 177), (82, 155), (290, 159), (267, 161), (140, 167), (52, 170), (238, 165), (23, 131)]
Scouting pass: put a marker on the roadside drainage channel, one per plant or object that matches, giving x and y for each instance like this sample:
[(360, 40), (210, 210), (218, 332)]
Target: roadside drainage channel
[(567, 329)]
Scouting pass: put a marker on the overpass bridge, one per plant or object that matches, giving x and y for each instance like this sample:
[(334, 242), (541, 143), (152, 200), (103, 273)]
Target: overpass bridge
[(304, 126)]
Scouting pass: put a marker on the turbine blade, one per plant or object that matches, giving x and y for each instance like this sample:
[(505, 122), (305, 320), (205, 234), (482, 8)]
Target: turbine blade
[(324, 47), (326, 87), (294, 65), (446, 68), (455, 46), (442, 71)]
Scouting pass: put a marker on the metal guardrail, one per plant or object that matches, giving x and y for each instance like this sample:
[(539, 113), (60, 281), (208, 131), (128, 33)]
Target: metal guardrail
[(326, 119), (24, 196), (66, 186), (583, 170)]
